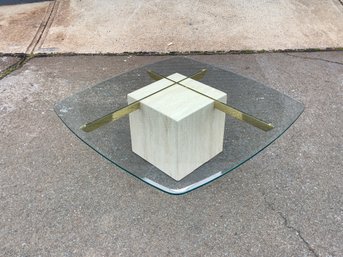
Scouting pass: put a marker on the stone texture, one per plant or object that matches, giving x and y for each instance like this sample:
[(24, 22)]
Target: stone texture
[(19, 24), (165, 26), (59, 198), (177, 130)]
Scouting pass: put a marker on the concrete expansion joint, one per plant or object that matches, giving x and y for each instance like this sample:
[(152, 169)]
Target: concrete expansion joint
[(314, 58), (36, 41), (287, 225), (43, 29), (23, 59)]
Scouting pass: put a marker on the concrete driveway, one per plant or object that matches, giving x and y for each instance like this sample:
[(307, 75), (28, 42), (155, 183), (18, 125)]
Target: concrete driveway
[(74, 26), (60, 198)]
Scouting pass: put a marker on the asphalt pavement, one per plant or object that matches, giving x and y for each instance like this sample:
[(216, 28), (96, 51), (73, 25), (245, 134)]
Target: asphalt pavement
[(60, 198)]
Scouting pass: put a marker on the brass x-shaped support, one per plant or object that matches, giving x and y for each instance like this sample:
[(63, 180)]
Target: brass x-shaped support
[(233, 112)]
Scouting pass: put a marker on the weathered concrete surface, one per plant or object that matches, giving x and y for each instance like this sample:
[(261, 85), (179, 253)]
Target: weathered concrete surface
[(59, 198), (19, 24), (7, 61), (163, 26)]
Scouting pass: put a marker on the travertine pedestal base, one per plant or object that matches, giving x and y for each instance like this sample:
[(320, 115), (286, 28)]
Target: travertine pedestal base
[(177, 129)]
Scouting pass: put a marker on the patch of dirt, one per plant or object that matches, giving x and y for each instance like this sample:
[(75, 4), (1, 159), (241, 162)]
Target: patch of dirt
[(19, 24)]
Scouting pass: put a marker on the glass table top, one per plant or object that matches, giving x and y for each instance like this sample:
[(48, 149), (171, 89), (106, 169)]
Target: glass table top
[(241, 140)]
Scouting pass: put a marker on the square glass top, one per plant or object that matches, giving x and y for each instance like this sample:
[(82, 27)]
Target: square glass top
[(241, 140)]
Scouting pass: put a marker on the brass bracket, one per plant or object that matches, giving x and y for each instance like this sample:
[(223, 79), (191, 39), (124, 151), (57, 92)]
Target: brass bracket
[(117, 114), (110, 117), (233, 112)]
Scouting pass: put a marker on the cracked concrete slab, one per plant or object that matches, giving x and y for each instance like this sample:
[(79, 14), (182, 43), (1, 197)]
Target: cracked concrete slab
[(59, 198), (7, 61), (166, 26), (311, 174), (332, 57), (19, 24)]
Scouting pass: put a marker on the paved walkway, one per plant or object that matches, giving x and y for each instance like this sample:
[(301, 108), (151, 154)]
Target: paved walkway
[(87, 26), (60, 198)]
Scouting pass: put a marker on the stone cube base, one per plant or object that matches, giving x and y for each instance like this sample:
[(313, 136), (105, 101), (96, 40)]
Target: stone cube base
[(177, 130)]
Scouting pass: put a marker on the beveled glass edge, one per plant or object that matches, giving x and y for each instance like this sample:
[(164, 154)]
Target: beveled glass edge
[(198, 184)]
